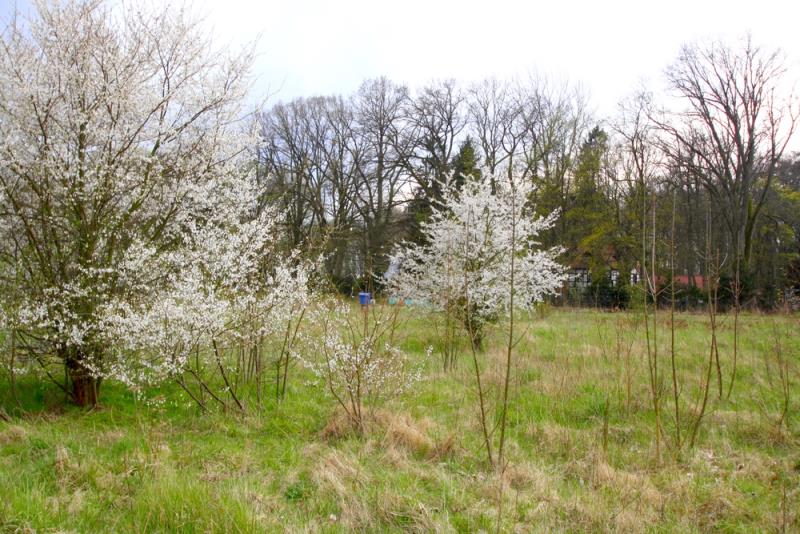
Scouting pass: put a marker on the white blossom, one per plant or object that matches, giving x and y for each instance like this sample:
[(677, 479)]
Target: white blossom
[(470, 239), (356, 357), (130, 228)]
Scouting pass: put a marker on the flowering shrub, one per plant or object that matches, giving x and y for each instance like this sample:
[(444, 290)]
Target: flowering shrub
[(481, 261), (130, 227), (234, 292), (357, 358), (465, 262)]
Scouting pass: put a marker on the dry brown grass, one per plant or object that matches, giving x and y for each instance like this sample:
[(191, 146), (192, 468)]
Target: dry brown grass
[(632, 486), (552, 438), (411, 516), (719, 505), (403, 432), (12, 434), (63, 463), (337, 471), (340, 474), (395, 433), (532, 480)]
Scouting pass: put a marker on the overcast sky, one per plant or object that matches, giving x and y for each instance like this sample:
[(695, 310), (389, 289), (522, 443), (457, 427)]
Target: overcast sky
[(312, 47)]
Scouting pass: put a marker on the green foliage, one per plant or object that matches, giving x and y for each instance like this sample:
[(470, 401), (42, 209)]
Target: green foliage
[(605, 294), (466, 163)]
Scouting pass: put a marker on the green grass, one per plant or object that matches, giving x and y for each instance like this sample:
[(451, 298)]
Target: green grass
[(157, 464)]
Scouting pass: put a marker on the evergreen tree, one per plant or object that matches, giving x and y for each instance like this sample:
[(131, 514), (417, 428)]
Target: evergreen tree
[(466, 163)]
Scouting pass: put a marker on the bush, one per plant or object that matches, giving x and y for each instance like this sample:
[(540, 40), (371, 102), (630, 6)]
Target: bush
[(604, 294)]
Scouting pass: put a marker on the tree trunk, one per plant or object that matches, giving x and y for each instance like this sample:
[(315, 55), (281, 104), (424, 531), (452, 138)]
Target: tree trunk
[(85, 386)]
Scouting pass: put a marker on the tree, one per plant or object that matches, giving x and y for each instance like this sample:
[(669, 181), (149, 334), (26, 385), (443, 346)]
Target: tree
[(466, 255), (381, 136), (732, 132), (466, 163), (494, 113), (436, 120), (119, 150), (337, 167), (481, 259), (311, 161), (229, 292)]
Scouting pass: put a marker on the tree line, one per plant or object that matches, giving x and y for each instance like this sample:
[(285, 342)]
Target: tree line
[(708, 170)]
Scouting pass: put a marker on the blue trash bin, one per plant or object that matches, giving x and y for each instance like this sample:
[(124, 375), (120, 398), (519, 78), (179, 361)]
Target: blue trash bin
[(364, 298)]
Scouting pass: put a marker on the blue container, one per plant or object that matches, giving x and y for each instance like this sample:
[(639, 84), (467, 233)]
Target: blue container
[(364, 298)]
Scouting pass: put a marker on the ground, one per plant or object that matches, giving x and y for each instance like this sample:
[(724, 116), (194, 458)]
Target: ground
[(582, 455)]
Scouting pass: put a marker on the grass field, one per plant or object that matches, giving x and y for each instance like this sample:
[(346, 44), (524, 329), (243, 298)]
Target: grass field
[(581, 451)]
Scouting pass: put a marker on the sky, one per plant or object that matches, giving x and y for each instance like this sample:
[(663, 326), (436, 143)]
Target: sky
[(610, 48), (311, 47)]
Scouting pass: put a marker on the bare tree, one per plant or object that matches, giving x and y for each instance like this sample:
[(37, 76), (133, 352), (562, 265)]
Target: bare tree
[(382, 180), (734, 126), (553, 120), (437, 118), (310, 159), (283, 160), (493, 118)]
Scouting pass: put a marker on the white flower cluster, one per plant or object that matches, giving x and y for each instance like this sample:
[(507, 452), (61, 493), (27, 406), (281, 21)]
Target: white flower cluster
[(470, 240), (130, 228), (231, 285), (356, 358)]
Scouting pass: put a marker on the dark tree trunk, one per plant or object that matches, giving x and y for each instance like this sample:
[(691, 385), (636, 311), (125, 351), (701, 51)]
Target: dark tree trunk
[(85, 386)]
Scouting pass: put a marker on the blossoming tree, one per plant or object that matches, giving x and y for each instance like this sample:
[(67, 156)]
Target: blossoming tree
[(124, 194), (227, 294), (474, 241), (481, 261)]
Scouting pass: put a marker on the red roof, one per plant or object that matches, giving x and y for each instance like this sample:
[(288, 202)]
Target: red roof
[(685, 280)]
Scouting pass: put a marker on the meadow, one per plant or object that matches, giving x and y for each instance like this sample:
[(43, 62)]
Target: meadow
[(581, 448)]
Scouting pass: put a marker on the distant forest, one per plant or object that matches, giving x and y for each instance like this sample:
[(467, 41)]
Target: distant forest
[(704, 191)]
